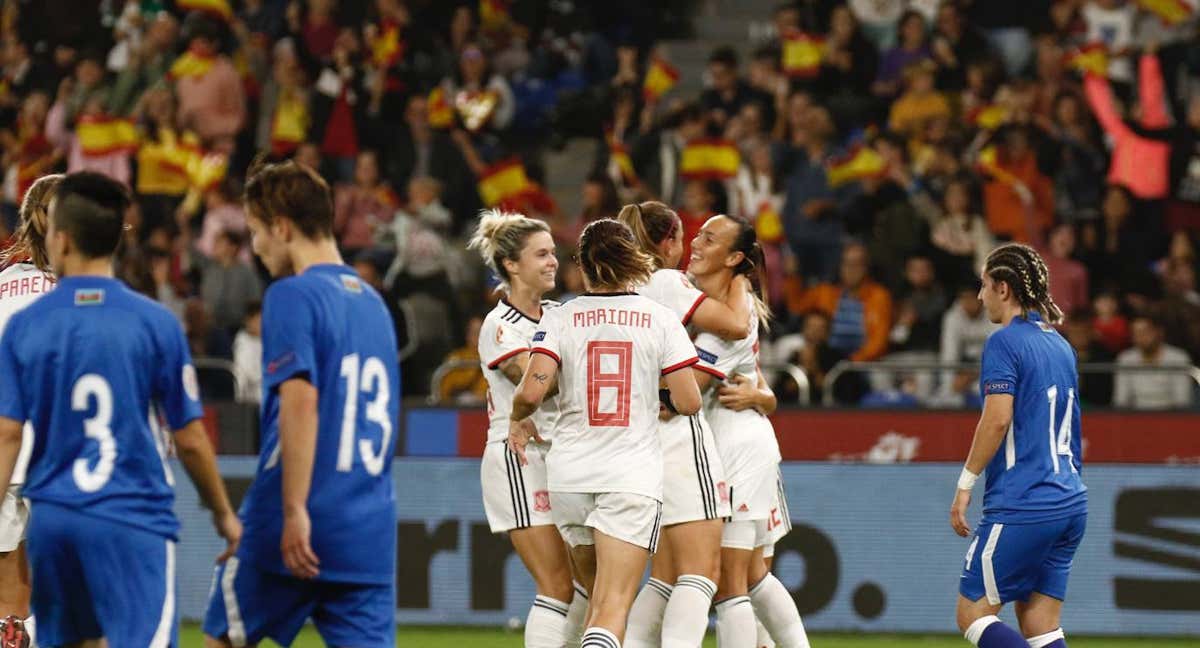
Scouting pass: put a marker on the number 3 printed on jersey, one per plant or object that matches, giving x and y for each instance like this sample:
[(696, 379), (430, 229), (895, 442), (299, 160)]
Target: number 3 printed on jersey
[(608, 383), (98, 427), (372, 378)]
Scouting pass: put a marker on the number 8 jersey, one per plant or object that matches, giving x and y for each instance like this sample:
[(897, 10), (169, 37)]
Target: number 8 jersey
[(331, 329), (611, 350), (1034, 476)]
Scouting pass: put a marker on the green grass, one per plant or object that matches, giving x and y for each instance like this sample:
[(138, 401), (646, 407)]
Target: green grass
[(190, 637)]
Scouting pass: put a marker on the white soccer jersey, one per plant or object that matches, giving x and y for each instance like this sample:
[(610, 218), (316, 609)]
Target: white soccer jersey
[(611, 350), (505, 333), (20, 285), (672, 289), (745, 439)]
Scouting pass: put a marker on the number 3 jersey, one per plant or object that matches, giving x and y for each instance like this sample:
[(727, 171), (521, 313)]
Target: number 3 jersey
[(91, 366), (1034, 476), (611, 350), (329, 328), (507, 332)]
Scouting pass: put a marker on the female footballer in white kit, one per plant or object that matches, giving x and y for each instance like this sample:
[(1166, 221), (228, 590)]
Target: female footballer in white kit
[(516, 500), (671, 610), (25, 277), (607, 349), (724, 248)]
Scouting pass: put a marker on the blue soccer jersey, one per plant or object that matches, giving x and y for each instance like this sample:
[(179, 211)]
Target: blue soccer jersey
[(1035, 475), (92, 366), (330, 328)]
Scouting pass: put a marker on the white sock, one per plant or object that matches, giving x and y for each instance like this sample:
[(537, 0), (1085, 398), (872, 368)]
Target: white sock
[(644, 628), (686, 618), (773, 605), (546, 624), (576, 617), (1041, 641), (764, 638), (600, 638), (29, 623), (735, 623)]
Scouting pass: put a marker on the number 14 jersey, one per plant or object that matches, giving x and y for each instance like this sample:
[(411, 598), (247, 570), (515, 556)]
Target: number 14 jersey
[(611, 349), (329, 328)]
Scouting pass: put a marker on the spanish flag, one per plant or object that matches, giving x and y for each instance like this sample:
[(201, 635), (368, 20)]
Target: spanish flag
[(989, 163), (441, 115), (289, 124), (190, 64), (218, 8), (767, 223), (988, 117), (1170, 12), (494, 14), (505, 182), (709, 159), (162, 163), (104, 135), (618, 159), (859, 162), (661, 76), (387, 47), (1090, 59), (802, 55)]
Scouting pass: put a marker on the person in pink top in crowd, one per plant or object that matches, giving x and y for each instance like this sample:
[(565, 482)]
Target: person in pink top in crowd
[(212, 104), (222, 212), (359, 208), (1139, 163), (1068, 277)]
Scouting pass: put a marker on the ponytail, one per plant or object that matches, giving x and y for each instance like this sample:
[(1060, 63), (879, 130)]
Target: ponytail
[(501, 235), (651, 222), (610, 257), (29, 241), (753, 266)]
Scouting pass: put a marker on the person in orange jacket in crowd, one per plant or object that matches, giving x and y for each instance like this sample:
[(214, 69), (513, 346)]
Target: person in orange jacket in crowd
[(1018, 200), (859, 308)]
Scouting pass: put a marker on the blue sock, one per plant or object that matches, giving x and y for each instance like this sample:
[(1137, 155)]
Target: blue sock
[(990, 632), (1052, 639)]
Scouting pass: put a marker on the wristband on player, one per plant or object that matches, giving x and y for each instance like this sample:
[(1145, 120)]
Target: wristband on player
[(966, 481), (664, 397)]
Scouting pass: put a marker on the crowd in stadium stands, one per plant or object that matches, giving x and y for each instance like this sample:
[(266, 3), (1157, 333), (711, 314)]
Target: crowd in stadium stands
[(880, 148)]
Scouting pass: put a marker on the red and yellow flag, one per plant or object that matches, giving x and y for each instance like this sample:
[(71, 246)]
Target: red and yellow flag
[(709, 159), (441, 114), (619, 160), (190, 64), (1170, 12), (767, 223), (387, 47), (989, 117), (802, 55), (989, 163), (1090, 59), (494, 14), (661, 76), (218, 8), (289, 124), (859, 162), (505, 182), (104, 135)]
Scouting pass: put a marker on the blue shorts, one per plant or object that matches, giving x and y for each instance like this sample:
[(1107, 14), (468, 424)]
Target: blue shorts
[(96, 578), (249, 605), (1009, 562)]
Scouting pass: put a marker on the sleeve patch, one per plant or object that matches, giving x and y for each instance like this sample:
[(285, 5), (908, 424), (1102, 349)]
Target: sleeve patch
[(539, 336), (706, 356), (998, 387), (282, 362), (191, 384)]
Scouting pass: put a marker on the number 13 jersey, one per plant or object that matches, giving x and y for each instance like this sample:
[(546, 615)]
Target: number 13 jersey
[(611, 349), (329, 328)]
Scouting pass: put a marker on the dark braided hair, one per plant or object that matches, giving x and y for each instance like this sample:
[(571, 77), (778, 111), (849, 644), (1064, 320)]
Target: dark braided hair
[(1023, 269)]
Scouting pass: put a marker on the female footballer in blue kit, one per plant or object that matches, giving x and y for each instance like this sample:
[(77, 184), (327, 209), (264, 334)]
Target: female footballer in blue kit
[(1028, 438)]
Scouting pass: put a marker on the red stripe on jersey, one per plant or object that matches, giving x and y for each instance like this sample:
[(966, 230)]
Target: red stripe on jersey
[(547, 352), (496, 363), (692, 311), (710, 371), (682, 365)]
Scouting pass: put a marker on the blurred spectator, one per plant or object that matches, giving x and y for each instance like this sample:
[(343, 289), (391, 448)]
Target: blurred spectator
[(727, 93), (1145, 390), (702, 199), (655, 154), (149, 61), (1072, 149), (362, 207), (965, 328), (570, 279), (227, 282), (956, 44), (848, 67), (920, 103), (1095, 388), (283, 114), (600, 200), (418, 150), (165, 291), (1068, 277), (1118, 250), (482, 99), (318, 25), (204, 339), (1018, 200), (859, 309), (960, 236), (23, 74), (1181, 308), (1111, 22), (912, 46), (247, 354), (813, 228), (222, 213), (1112, 329), (465, 384), (211, 102), (414, 236), (1139, 163), (921, 304), (342, 102), (817, 358)]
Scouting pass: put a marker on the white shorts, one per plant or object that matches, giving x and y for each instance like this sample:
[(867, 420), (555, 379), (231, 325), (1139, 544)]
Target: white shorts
[(779, 524), (14, 517), (514, 496), (636, 519), (694, 485), (753, 496), (746, 535)]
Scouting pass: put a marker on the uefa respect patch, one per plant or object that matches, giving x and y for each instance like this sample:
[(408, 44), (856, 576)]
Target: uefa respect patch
[(539, 336), (707, 356), (998, 387)]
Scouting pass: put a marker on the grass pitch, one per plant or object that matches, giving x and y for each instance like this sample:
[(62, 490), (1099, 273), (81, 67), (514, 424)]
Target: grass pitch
[(191, 637)]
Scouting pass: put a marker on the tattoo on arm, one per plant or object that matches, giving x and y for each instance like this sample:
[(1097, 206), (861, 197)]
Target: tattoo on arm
[(540, 377)]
